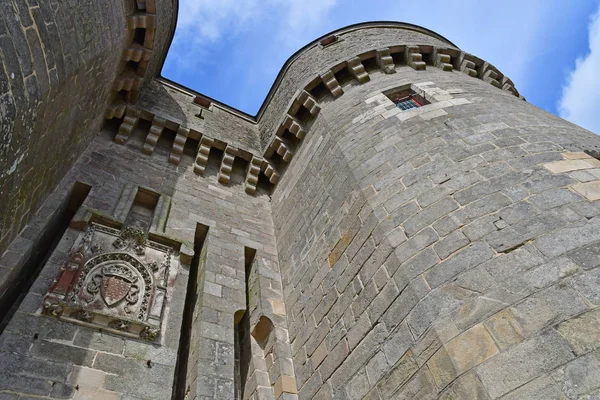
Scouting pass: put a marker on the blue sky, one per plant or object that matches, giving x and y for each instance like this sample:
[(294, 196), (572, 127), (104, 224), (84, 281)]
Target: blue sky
[(232, 50)]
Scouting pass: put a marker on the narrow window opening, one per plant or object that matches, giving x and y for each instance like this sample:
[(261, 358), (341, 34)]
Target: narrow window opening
[(142, 210), (193, 300), (243, 350), (42, 250), (139, 36), (132, 66)]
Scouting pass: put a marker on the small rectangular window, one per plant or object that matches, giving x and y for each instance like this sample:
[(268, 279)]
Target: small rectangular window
[(406, 103)]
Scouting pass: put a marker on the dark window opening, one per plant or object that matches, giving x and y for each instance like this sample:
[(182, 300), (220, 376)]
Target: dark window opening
[(428, 58), (190, 148), (213, 165), (303, 115), (243, 347), (263, 186), (139, 36), (133, 66), (192, 301)]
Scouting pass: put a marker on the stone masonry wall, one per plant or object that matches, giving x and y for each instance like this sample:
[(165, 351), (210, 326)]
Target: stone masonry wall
[(40, 356), (56, 58), (318, 59), (446, 252)]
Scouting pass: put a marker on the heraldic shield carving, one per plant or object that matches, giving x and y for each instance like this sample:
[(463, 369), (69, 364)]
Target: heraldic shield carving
[(118, 281)]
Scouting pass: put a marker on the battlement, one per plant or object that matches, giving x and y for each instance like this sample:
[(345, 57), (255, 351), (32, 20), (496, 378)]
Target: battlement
[(208, 127)]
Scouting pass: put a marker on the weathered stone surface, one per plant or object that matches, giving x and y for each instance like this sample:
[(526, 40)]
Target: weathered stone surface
[(523, 363), (391, 257), (471, 348), (582, 332)]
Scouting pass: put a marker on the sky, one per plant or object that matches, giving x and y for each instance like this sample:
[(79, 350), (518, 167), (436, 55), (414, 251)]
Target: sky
[(232, 50)]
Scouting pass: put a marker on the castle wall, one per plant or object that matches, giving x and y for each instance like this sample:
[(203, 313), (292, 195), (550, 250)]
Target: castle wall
[(44, 357), (57, 58), (336, 248), (318, 59), (446, 255)]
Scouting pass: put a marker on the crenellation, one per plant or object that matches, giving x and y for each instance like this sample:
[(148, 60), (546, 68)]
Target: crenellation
[(385, 61), (292, 125), (229, 155), (357, 70), (441, 59), (178, 144), (156, 129), (466, 64), (254, 168), (202, 155), (128, 126), (332, 84), (414, 58)]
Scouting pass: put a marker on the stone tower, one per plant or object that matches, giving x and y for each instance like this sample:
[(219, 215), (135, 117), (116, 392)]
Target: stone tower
[(396, 222)]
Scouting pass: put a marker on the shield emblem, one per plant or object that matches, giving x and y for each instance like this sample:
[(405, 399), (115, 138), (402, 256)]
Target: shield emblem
[(114, 289)]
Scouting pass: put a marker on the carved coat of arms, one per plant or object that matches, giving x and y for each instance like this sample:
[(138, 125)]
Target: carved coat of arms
[(117, 280)]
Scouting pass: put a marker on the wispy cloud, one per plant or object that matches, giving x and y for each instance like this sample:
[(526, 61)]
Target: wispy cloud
[(580, 101), (203, 25), (210, 20)]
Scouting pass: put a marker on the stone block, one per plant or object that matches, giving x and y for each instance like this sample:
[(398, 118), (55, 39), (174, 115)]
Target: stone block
[(590, 190), (552, 305), (471, 348), (462, 261), (505, 330), (398, 376), (441, 367), (467, 386), (358, 386), (523, 363), (582, 332)]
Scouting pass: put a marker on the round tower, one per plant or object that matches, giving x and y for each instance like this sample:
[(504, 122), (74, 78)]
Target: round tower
[(437, 235)]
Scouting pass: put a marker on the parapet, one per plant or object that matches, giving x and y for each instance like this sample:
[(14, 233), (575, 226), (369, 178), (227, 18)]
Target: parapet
[(314, 74)]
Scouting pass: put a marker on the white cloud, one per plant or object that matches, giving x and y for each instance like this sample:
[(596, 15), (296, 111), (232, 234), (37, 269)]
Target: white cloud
[(210, 20), (580, 101)]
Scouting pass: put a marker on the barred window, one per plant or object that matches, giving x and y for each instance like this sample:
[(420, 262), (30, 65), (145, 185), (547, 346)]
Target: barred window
[(406, 103)]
